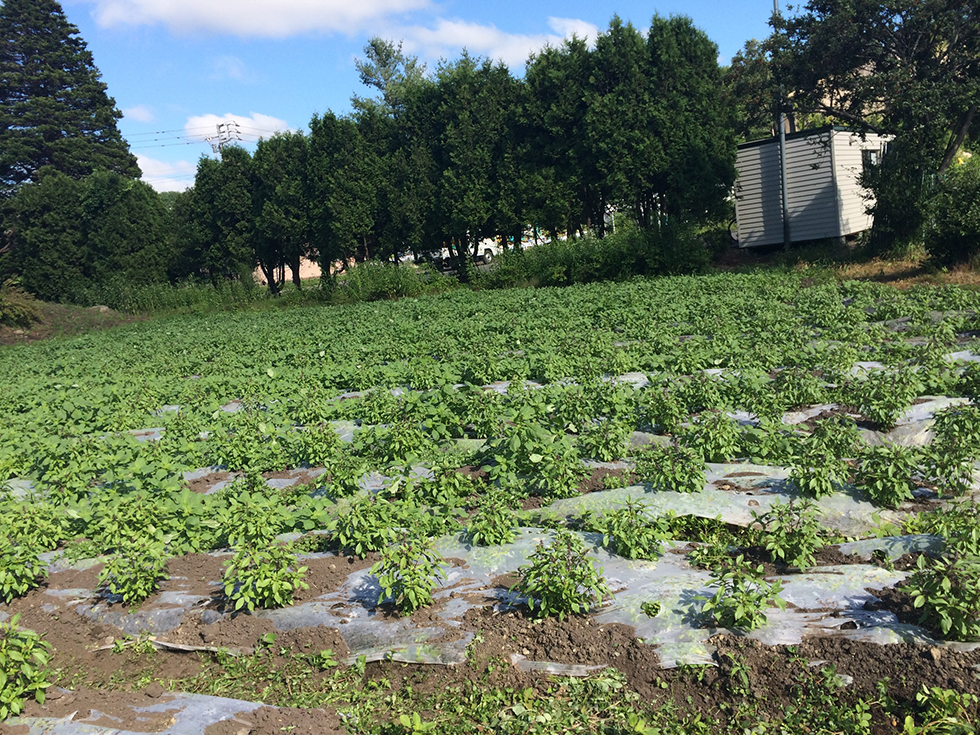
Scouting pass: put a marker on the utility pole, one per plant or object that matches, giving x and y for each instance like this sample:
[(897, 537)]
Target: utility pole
[(781, 123), (227, 132)]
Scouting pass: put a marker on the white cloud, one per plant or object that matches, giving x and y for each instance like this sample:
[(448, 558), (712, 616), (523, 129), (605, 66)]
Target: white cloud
[(166, 175), (250, 127), (449, 37), (253, 18), (229, 67), (139, 113)]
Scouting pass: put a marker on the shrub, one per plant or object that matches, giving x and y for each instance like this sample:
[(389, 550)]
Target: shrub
[(742, 595), (24, 658), (817, 473), (882, 396), (262, 577), (135, 571), (561, 578), (948, 591), (671, 468), (952, 232), (408, 572), (17, 307)]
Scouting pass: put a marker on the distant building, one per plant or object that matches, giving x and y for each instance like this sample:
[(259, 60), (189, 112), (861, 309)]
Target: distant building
[(824, 197)]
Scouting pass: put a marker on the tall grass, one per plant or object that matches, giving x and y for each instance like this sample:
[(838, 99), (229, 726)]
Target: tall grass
[(628, 252), (371, 281)]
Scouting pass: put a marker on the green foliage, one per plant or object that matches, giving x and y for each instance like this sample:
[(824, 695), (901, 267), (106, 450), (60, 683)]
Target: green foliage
[(493, 523), (791, 532), (881, 396), (20, 569), (264, 577), (716, 437), (742, 595), (952, 232), (885, 473), (630, 532), (54, 111), (605, 441), (408, 572), (948, 592), (677, 468), (24, 673), (957, 431), (17, 307), (135, 570), (943, 711), (958, 523), (817, 473), (368, 524), (561, 579)]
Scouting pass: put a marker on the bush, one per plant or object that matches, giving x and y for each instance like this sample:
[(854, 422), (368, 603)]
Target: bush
[(673, 249), (952, 232), (493, 524), (23, 667), (886, 472), (17, 307), (561, 579)]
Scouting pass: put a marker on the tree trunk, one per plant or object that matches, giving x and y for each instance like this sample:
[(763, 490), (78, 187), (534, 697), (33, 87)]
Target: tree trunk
[(954, 145), (270, 276)]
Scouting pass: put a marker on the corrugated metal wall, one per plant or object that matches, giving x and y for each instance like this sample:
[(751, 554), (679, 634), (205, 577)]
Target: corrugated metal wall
[(825, 199)]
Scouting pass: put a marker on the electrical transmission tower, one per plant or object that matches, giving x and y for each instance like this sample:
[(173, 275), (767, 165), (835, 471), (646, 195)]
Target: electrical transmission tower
[(228, 132)]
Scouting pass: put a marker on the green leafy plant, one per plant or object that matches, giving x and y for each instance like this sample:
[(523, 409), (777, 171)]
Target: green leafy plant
[(24, 659), (605, 440), (943, 712), (716, 436), (368, 524), (493, 524), (263, 577), (742, 595), (17, 307), (135, 570), (676, 468), (631, 533), (948, 592), (815, 473), (791, 532), (561, 579), (20, 570), (882, 395), (408, 572), (885, 473)]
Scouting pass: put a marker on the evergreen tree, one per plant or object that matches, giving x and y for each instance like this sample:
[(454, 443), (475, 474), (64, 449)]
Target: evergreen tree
[(54, 110)]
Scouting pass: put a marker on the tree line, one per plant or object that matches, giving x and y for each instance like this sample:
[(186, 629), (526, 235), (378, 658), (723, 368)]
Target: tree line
[(643, 124)]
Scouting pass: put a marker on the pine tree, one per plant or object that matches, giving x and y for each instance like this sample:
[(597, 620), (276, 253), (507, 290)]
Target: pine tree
[(54, 110)]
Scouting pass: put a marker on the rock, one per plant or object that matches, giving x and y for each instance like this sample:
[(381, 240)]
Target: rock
[(100, 308)]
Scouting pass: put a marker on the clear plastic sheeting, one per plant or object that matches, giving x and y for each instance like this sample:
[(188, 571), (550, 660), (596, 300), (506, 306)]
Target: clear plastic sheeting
[(759, 487), (190, 714)]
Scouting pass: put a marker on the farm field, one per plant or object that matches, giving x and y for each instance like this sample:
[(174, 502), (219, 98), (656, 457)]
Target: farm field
[(730, 503)]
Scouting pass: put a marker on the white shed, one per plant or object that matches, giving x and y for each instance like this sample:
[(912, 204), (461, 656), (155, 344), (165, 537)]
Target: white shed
[(824, 197)]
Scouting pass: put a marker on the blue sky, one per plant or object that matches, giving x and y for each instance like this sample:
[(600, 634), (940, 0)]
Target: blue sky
[(177, 68)]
